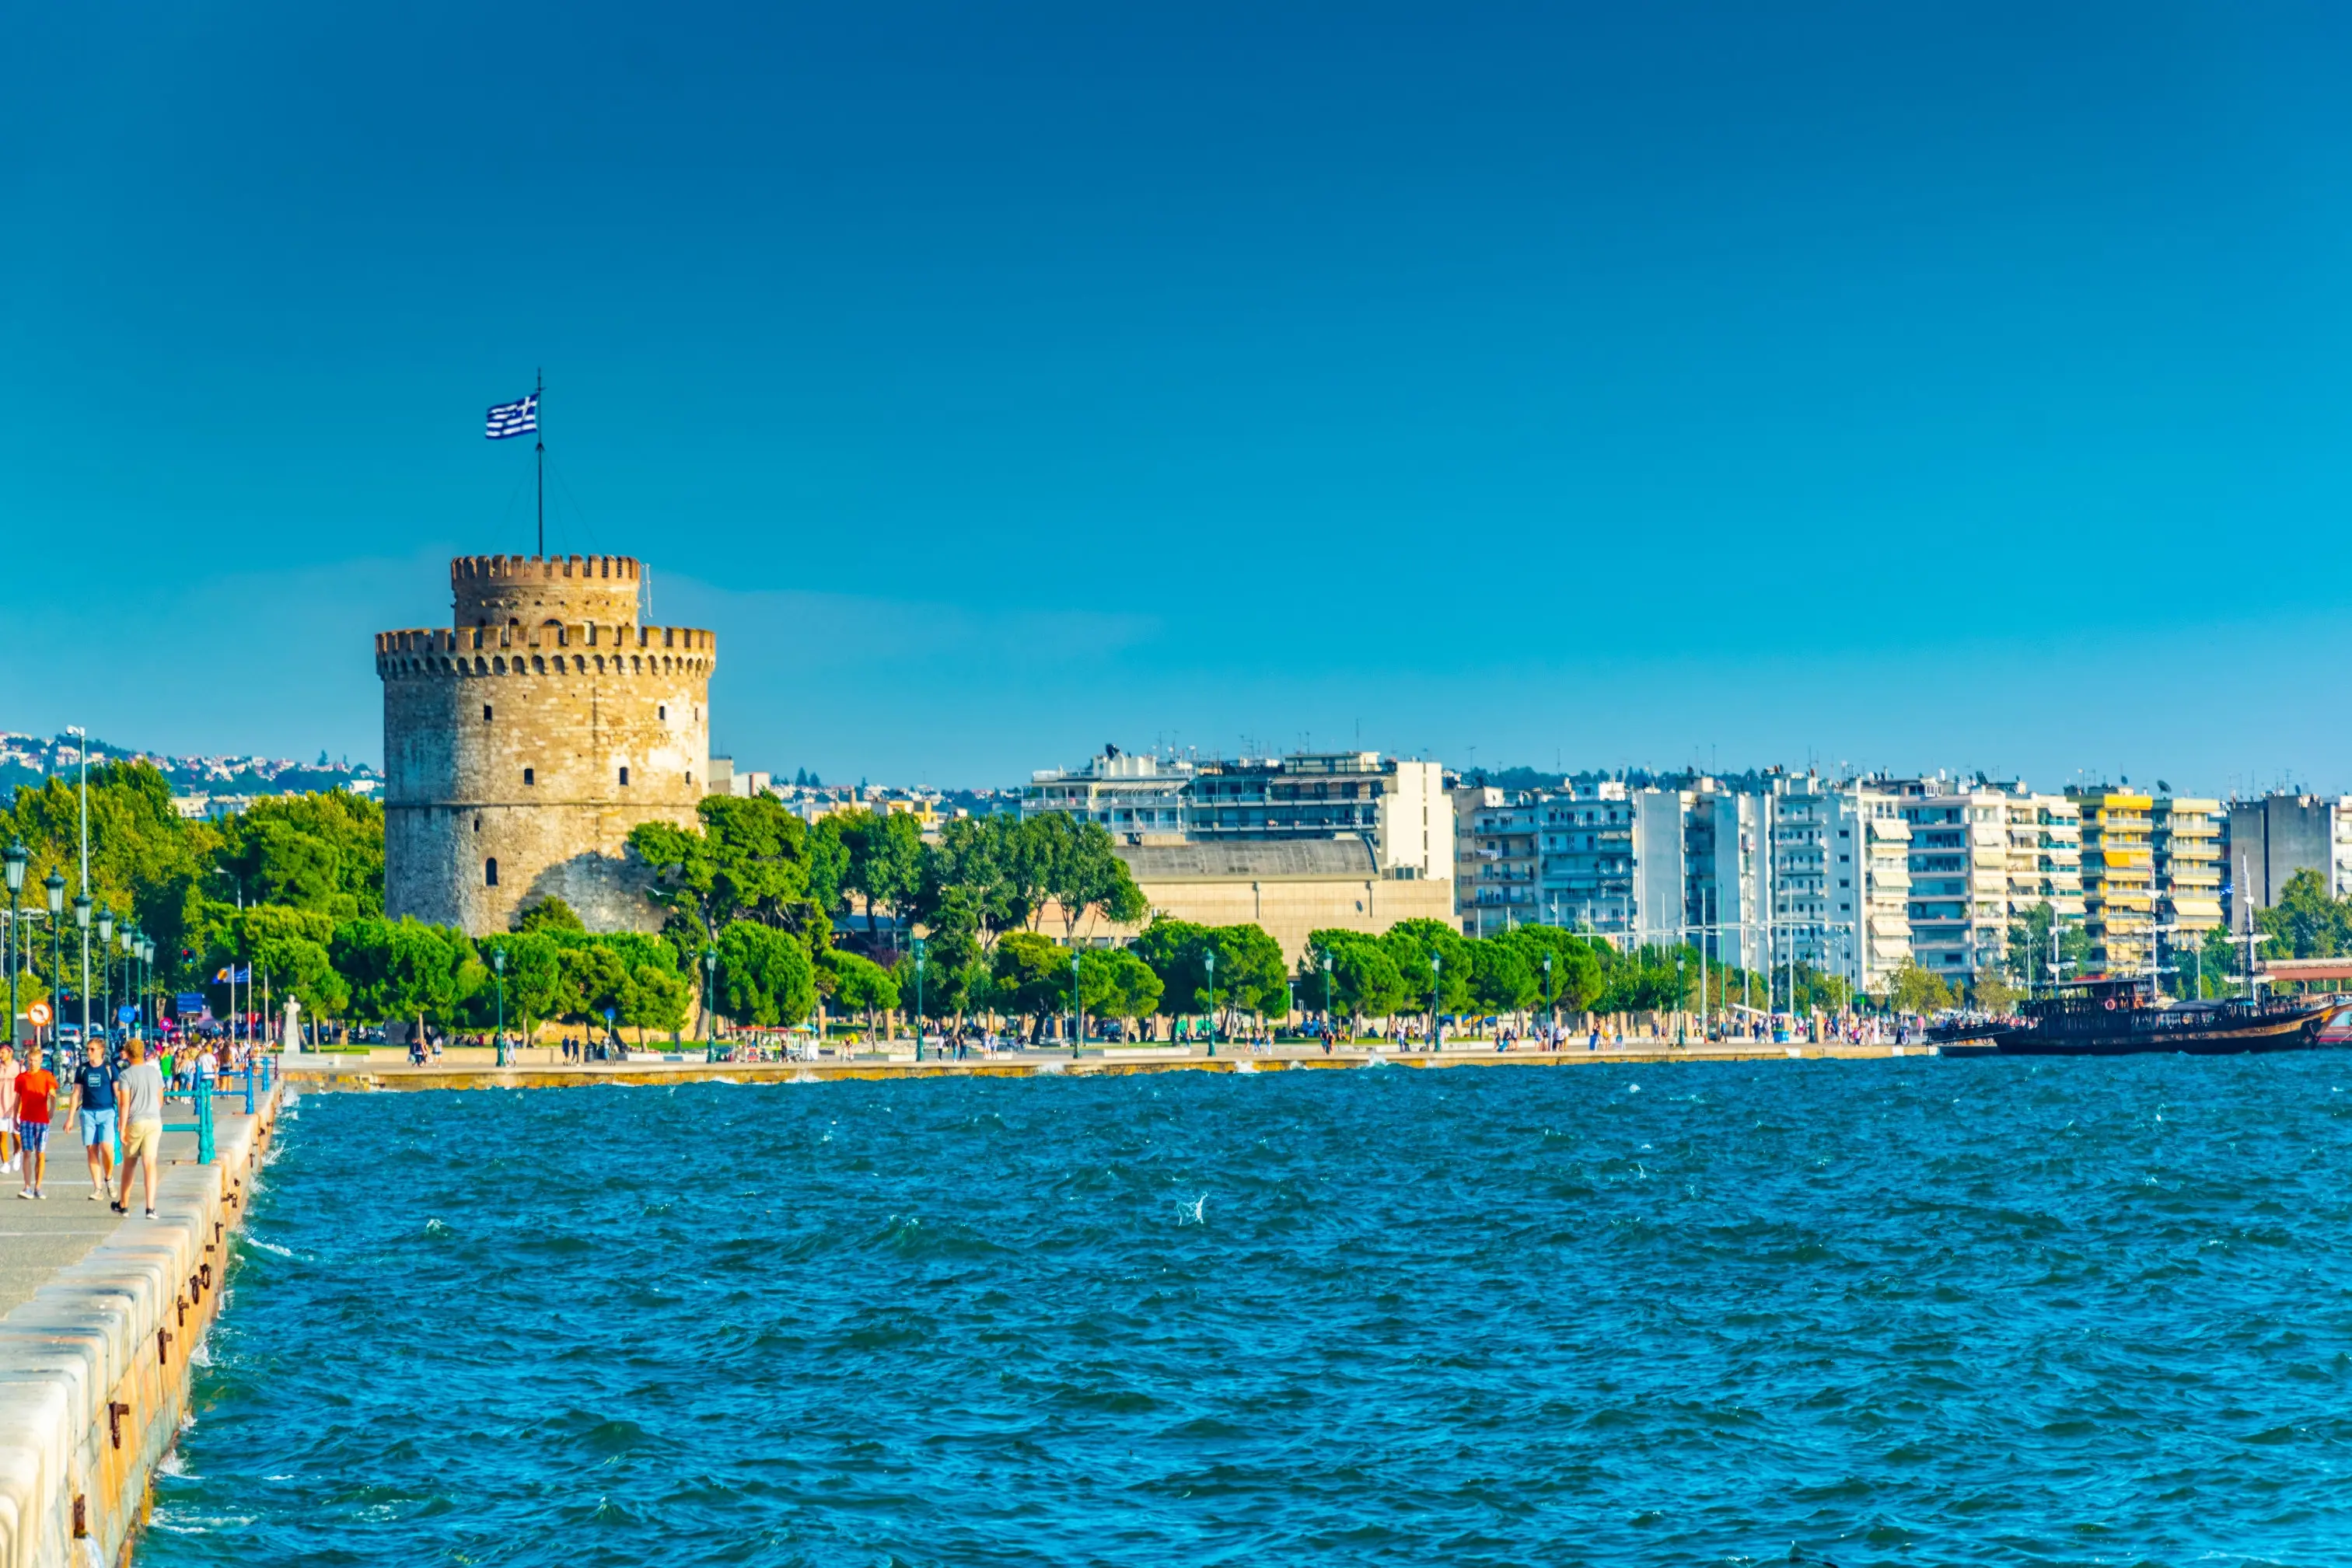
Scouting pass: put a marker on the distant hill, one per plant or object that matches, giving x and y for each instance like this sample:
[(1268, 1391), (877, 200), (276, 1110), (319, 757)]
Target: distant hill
[(30, 759)]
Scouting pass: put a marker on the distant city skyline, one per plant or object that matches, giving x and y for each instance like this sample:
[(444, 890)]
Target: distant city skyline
[(1891, 388)]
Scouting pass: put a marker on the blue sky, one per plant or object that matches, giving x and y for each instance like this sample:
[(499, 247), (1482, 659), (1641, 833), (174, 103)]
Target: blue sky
[(1921, 386)]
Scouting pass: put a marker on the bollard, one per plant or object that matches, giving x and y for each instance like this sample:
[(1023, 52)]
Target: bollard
[(248, 1089), (203, 1123)]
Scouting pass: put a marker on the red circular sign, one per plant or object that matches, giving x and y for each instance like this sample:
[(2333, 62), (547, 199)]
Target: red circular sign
[(38, 1013)]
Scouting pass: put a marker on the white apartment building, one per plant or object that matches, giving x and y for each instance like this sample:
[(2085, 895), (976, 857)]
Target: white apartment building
[(1495, 857), (1959, 865), (1584, 877)]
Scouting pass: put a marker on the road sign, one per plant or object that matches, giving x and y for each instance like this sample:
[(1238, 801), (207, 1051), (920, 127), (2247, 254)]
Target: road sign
[(38, 1014), (126, 1015)]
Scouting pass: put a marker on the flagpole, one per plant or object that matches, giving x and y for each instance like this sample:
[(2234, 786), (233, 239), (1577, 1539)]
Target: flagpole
[(541, 439)]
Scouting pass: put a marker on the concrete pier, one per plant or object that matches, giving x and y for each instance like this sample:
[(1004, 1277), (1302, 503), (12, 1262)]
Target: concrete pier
[(102, 1316), (478, 1069)]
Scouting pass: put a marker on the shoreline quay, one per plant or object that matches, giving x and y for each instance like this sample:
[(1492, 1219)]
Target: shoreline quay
[(325, 1074), (95, 1366)]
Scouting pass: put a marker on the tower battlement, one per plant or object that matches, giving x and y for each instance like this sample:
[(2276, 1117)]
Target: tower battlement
[(525, 740)]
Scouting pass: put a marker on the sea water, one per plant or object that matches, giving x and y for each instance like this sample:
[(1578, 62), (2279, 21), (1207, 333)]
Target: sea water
[(1910, 1312)]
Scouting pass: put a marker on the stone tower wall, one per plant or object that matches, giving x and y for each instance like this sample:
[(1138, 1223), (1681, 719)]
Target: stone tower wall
[(505, 738)]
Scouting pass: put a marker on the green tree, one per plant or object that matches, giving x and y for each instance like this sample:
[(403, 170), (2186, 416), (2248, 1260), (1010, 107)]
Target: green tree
[(596, 986), (1412, 943), (860, 983), (1115, 983), (985, 876), (404, 969), (765, 977), (1029, 976), (884, 862), (1083, 872), (749, 860), (1917, 990), (1364, 978), (2306, 922), (548, 913), (1501, 980), (534, 977), (321, 851)]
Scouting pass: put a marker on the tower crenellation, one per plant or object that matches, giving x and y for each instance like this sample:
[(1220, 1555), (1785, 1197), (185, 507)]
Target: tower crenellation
[(526, 739)]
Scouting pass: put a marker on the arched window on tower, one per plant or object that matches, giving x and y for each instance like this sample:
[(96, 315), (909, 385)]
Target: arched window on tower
[(490, 872)]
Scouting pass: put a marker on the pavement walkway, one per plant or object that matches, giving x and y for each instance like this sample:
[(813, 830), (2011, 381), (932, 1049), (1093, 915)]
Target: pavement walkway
[(39, 1238)]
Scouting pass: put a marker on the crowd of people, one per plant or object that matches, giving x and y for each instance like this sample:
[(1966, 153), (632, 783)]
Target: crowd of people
[(112, 1095)]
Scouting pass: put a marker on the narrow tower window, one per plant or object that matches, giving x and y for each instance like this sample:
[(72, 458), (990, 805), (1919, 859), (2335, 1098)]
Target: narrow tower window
[(662, 712), (490, 872), (485, 713), (477, 824), (624, 775), (526, 777)]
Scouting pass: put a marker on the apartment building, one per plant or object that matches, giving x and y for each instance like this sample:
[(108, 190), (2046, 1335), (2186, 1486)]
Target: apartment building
[(2271, 839), (1959, 863), (1496, 864), (1585, 857), (2045, 855), (2184, 839), (2119, 880)]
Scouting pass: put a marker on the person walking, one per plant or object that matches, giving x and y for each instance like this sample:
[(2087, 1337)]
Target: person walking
[(139, 1095), (94, 1098), (36, 1089)]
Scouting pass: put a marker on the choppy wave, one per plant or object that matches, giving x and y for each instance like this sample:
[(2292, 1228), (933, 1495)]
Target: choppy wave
[(1856, 1313)]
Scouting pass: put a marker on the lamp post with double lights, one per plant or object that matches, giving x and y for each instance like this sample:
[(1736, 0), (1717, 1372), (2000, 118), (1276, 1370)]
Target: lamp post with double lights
[(152, 1003), (130, 938), (1551, 1014), (1436, 965), (1077, 1011)]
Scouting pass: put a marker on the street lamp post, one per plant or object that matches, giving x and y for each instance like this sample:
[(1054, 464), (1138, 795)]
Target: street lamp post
[(1682, 1003), (106, 969), (132, 939), (709, 1002), (920, 956), (1326, 1000), (1210, 959), (1078, 1013), (1436, 965), (154, 1004), (54, 885), (82, 907), (14, 859), (499, 969), (1551, 1014)]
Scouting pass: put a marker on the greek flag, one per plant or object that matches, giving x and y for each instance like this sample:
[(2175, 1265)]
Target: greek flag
[(514, 419)]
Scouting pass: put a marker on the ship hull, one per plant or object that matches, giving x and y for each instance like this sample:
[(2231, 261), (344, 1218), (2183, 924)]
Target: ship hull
[(2234, 1038)]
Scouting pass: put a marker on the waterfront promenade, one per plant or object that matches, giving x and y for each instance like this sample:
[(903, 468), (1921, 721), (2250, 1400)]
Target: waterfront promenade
[(99, 1317), (476, 1068)]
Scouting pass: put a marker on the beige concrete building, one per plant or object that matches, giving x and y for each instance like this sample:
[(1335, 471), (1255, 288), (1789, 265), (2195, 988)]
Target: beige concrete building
[(2119, 880), (524, 741), (1288, 888)]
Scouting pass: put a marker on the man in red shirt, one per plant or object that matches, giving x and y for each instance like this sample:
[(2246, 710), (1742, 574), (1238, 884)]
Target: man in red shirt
[(34, 1092)]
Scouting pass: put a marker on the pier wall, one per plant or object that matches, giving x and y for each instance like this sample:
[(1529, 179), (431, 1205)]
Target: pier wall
[(94, 1369)]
